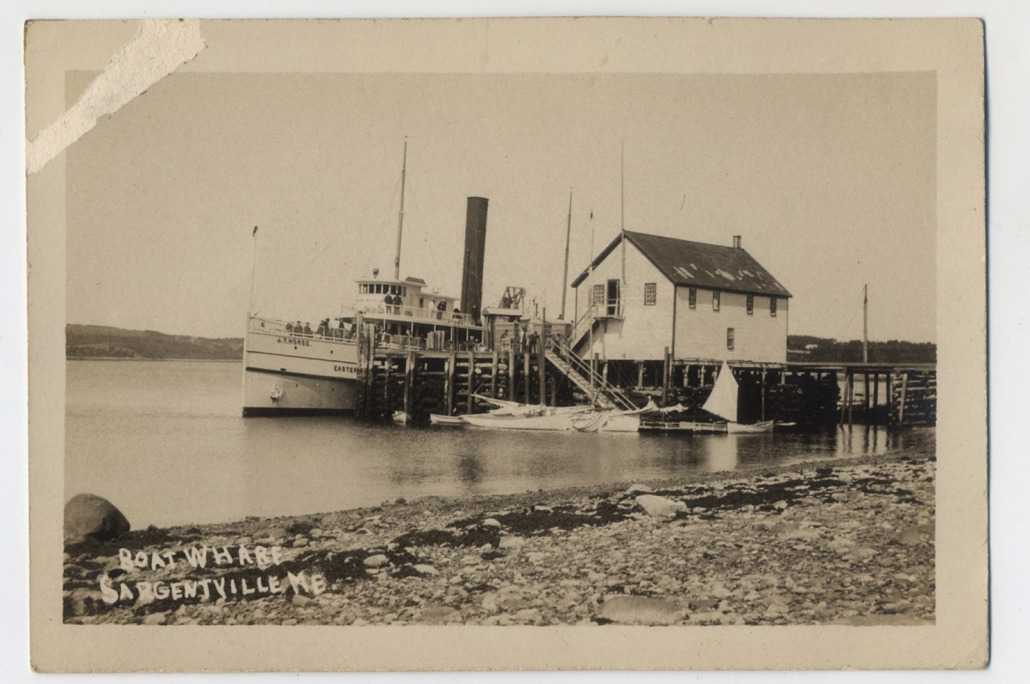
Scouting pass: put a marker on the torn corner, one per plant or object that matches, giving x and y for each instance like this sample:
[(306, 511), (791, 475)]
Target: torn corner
[(160, 47)]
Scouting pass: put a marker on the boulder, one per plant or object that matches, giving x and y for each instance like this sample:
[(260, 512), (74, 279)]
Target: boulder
[(93, 517), (376, 561), (639, 610), (659, 506)]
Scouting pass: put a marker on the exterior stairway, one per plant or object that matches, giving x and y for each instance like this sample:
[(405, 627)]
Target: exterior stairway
[(589, 382)]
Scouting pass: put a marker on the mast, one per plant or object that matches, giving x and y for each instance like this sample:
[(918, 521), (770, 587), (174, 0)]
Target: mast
[(400, 217), (565, 277), (622, 214), (865, 324), (253, 269)]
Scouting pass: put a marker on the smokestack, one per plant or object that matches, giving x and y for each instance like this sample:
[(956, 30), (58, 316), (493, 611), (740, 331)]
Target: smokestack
[(736, 242), (475, 252)]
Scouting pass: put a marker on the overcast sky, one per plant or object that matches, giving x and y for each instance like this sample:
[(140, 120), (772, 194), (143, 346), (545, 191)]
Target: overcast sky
[(830, 179)]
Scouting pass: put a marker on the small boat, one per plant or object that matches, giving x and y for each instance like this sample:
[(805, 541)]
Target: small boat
[(514, 408), (400, 418), (750, 429), (551, 418), (612, 420), (722, 402), (441, 419)]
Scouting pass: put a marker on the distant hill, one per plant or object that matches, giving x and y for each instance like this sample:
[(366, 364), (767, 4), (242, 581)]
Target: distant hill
[(823, 349), (101, 341)]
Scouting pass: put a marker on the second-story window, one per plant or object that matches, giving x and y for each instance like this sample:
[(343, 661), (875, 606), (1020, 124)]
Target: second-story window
[(650, 294), (597, 296), (750, 305), (729, 338), (692, 297), (715, 301), (772, 306)]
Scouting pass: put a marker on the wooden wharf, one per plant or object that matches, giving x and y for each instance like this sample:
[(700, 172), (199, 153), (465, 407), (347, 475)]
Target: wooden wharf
[(450, 381)]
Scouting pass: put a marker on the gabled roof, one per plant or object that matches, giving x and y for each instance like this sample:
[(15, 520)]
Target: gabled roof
[(698, 264)]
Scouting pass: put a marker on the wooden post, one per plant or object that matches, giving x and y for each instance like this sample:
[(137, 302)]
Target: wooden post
[(904, 394), (851, 397), (409, 380), (472, 376), (640, 375), (665, 377), (493, 374), (763, 393), (525, 374), (449, 383), (865, 393), (541, 366), (876, 389), (844, 397), (511, 373), (386, 386)]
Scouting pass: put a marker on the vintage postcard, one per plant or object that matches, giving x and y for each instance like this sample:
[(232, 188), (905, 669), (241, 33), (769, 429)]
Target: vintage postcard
[(507, 344)]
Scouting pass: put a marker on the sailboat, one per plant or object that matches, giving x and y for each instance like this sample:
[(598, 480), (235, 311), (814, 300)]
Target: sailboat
[(723, 403)]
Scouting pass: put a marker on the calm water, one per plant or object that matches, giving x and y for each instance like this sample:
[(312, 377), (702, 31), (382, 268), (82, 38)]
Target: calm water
[(164, 441)]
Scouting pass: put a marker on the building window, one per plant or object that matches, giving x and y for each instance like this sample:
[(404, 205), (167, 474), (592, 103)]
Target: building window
[(598, 295), (729, 338), (693, 297), (715, 301), (772, 306), (750, 305), (650, 294)]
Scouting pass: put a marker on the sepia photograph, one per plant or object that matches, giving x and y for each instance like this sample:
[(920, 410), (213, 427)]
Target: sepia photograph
[(498, 330)]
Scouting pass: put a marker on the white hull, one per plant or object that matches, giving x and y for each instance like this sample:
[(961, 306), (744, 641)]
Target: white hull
[(438, 419), (752, 429), (550, 419), (270, 394), (297, 374)]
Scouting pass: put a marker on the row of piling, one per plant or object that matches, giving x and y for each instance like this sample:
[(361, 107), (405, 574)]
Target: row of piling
[(420, 383)]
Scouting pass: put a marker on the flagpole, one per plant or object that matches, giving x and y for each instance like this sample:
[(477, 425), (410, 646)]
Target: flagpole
[(253, 269)]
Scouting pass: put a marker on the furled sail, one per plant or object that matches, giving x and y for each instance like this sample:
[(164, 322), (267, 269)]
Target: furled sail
[(723, 399)]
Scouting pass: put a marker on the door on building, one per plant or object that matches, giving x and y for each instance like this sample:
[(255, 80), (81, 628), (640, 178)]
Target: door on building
[(613, 297)]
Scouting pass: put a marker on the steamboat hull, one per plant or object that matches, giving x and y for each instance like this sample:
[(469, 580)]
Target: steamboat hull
[(288, 374)]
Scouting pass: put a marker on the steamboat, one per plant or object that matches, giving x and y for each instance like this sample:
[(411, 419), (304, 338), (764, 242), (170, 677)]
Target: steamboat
[(292, 368)]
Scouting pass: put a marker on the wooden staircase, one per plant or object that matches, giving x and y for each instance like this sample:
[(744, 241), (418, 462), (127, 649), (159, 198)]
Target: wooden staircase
[(591, 383)]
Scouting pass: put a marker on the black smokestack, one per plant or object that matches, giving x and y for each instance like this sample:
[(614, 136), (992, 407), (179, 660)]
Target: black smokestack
[(475, 252)]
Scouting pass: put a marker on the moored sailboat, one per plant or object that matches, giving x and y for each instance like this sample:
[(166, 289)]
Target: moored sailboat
[(723, 400)]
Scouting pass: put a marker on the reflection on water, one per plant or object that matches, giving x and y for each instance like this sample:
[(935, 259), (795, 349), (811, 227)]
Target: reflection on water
[(165, 443)]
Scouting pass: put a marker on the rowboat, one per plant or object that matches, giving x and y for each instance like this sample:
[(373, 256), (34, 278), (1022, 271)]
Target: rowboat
[(551, 418), (441, 419)]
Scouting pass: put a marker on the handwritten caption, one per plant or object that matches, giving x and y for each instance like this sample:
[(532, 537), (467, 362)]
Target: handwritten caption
[(258, 572)]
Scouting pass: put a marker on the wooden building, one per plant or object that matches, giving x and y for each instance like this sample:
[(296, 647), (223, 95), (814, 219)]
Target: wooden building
[(645, 295)]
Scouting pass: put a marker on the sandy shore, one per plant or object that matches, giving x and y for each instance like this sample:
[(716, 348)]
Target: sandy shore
[(830, 542)]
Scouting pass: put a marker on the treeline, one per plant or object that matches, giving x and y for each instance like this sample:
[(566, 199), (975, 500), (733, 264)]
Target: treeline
[(101, 341), (820, 349)]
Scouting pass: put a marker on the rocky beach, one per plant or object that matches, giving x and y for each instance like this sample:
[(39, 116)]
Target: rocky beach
[(847, 541)]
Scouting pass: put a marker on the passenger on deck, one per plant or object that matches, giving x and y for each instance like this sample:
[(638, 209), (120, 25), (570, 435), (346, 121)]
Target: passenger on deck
[(289, 327), (307, 328)]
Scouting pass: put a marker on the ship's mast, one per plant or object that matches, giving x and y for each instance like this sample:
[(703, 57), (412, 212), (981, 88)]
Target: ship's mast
[(565, 277), (865, 324), (622, 212), (400, 217)]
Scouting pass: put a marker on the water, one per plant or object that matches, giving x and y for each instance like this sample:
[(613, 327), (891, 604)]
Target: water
[(164, 441)]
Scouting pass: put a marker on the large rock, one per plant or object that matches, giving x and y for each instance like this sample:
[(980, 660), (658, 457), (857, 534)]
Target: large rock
[(639, 610), (659, 506), (87, 516)]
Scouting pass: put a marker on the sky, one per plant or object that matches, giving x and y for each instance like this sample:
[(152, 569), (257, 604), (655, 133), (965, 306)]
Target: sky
[(828, 178)]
